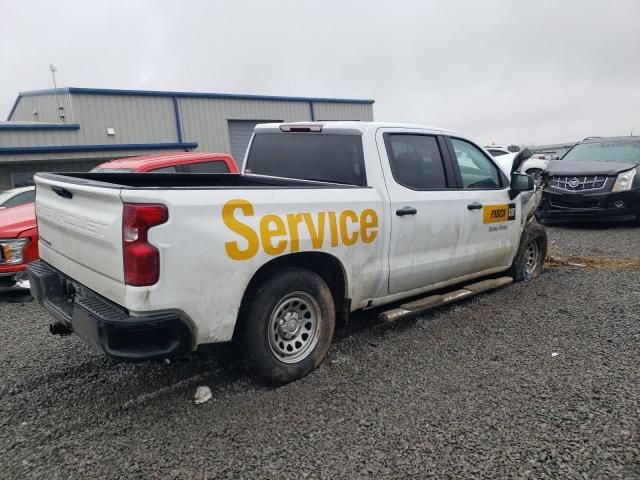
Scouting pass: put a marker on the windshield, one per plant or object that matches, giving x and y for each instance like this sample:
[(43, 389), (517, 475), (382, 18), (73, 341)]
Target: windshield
[(324, 157), (624, 152), (112, 170), (5, 195)]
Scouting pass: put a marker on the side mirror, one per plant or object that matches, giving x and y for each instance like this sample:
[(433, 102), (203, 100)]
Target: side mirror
[(520, 182)]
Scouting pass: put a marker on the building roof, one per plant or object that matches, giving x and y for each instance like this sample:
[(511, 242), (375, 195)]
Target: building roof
[(154, 93)]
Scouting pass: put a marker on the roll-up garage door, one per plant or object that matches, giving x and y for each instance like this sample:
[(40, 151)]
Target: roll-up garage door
[(240, 132)]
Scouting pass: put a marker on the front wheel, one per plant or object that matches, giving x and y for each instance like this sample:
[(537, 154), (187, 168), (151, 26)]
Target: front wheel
[(287, 327), (532, 252)]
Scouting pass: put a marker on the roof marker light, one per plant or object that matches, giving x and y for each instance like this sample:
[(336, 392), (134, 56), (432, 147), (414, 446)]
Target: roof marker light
[(299, 127)]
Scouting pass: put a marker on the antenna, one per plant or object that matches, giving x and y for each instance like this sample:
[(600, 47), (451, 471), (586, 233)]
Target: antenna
[(53, 70)]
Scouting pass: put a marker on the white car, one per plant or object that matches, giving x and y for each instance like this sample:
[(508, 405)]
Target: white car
[(498, 151), (334, 217), (534, 165), (17, 196)]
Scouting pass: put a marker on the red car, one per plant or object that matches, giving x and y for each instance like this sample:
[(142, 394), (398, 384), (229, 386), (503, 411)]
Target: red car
[(18, 243), (19, 231)]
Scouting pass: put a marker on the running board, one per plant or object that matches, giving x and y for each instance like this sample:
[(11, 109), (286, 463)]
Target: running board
[(433, 301)]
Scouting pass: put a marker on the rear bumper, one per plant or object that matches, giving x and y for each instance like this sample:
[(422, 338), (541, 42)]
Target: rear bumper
[(572, 207), (107, 326)]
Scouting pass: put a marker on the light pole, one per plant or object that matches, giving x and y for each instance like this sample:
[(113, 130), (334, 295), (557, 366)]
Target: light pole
[(53, 70)]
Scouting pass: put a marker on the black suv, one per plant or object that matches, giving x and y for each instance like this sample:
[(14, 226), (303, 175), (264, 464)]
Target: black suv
[(598, 179)]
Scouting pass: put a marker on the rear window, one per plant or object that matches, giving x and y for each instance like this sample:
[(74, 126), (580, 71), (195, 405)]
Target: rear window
[(217, 166), (496, 153), (324, 157), (605, 152), (112, 170)]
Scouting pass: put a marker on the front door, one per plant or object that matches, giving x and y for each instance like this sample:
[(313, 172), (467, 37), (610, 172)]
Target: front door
[(492, 219), (426, 216)]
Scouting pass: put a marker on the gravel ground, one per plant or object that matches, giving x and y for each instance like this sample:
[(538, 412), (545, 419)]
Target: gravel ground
[(600, 240), (537, 380)]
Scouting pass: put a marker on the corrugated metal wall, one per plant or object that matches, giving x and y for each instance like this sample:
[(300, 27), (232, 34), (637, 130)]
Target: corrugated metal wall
[(34, 138), (135, 119), (343, 111), (47, 108), (204, 120)]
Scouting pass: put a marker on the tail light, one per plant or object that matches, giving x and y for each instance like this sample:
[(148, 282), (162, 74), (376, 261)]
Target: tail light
[(141, 259)]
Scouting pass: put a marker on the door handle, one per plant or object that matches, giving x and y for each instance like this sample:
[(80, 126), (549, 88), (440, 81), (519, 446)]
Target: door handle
[(474, 206), (406, 211), (63, 192)]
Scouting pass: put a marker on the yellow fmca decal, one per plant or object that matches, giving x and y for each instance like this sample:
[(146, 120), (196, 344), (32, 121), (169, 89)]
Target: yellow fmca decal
[(280, 233), (498, 213)]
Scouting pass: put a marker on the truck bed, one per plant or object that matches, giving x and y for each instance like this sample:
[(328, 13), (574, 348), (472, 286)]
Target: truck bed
[(186, 181)]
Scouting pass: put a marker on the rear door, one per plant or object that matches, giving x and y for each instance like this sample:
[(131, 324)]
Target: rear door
[(80, 229), (427, 215), (492, 219)]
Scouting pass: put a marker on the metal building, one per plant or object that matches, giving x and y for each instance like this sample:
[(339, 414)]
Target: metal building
[(74, 129)]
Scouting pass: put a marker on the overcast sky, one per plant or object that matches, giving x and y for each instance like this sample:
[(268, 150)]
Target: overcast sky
[(530, 71)]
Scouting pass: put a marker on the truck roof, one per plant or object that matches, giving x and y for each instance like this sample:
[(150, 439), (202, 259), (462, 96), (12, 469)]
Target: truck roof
[(354, 126), (145, 162)]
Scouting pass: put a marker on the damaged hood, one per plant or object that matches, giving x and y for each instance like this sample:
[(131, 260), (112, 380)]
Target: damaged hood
[(567, 168), (519, 159)]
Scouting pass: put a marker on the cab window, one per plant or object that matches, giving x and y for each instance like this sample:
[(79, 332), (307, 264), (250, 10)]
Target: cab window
[(416, 161), (170, 169), (476, 169), (217, 166)]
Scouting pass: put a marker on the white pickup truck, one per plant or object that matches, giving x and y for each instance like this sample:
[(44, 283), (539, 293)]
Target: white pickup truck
[(326, 218)]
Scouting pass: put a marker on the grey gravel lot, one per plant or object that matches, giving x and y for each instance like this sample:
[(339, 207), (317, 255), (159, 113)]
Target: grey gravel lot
[(475, 390)]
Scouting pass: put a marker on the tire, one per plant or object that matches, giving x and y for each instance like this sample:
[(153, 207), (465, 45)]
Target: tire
[(536, 173), (286, 329), (532, 252)]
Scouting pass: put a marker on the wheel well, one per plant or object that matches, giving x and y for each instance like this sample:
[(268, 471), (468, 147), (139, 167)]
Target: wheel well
[(328, 267), (533, 169)]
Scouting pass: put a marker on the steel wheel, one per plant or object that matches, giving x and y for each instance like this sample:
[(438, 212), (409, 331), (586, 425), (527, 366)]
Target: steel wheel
[(532, 256), (293, 327)]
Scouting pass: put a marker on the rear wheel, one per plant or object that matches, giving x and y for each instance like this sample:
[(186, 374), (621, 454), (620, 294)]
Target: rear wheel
[(532, 252), (286, 329)]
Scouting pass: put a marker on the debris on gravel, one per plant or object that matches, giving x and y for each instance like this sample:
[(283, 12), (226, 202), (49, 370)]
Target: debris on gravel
[(536, 380), (203, 394)]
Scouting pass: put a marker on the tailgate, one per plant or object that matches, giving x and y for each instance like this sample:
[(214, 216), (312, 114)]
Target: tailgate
[(80, 229)]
